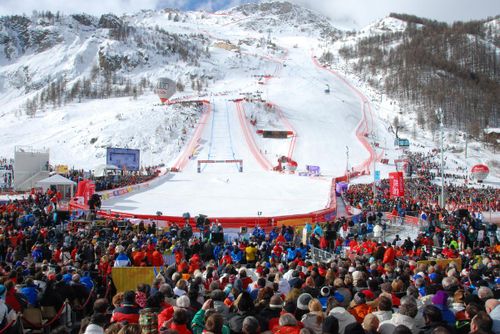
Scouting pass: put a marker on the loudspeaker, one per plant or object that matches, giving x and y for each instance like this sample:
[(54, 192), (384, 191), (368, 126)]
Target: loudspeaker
[(217, 237), (243, 230)]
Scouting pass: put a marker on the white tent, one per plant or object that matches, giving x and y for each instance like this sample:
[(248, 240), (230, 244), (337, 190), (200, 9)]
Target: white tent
[(103, 170), (58, 181)]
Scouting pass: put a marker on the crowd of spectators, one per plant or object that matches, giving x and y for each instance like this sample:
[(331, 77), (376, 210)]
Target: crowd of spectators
[(422, 192), (259, 283), (443, 279)]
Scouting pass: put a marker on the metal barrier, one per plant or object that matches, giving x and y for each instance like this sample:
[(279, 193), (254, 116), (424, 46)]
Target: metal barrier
[(319, 255)]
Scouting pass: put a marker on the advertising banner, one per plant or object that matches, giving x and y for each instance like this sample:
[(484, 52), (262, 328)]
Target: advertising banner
[(313, 170), (396, 184)]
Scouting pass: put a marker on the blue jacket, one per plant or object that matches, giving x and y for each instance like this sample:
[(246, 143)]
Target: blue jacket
[(31, 294), (448, 315)]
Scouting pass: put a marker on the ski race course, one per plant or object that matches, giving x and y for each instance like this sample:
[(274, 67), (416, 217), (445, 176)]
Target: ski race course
[(323, 125)]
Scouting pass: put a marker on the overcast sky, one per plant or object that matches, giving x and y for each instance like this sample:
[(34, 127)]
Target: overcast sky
[(362, 11)]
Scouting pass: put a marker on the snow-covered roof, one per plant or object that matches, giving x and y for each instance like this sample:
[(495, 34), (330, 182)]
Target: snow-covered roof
[(491, 130)]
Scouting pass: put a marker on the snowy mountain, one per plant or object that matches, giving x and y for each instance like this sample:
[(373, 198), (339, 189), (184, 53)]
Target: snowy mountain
[(79, 83)]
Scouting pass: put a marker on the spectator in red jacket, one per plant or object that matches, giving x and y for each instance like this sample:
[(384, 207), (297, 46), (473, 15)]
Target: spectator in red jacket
[(128, 310), (179, 321)]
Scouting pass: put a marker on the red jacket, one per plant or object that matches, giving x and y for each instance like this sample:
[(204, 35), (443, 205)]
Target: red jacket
[(286, 330), (181, 329), (157, 259), (165, 315), (11, 300), (126, 313)]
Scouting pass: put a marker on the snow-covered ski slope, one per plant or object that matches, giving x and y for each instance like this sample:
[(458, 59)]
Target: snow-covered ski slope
[(260, 55), (324, 124)]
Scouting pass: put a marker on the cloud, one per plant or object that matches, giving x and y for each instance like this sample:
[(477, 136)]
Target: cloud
[(367, 11), (361, 11), (96, 7)]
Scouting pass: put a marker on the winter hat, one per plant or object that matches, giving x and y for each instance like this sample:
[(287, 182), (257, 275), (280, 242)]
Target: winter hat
[(440, 298), (183, 301), (433, 277), (218, 295), (369, 294), (386, 287), (359, 298), (416, 277), (276, 302), (227, 289), (325, 291), (338, 297), (303, 301)]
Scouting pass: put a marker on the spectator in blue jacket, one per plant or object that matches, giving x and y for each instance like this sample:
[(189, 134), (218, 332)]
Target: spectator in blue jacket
[(440, 300), (30, 291)]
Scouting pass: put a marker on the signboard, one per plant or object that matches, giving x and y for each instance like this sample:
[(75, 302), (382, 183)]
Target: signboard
[(377, 175), (62, 169), (313, 170), (275, 134), (123, 158), (396, 184)]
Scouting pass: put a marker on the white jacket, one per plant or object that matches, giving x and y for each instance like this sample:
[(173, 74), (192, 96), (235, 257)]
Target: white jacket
[(377, 231), (345, 318), (388, 326), (94, 329)]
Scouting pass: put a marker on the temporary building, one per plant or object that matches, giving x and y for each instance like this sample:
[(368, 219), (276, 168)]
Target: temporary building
[(61, 183)]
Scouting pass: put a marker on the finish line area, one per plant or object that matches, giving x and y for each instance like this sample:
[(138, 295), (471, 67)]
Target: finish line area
[(222, 191)]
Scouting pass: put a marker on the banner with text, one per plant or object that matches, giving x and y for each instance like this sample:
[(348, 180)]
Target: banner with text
[(396, 184)]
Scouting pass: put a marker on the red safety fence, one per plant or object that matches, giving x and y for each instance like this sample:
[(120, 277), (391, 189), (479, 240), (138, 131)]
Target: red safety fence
[(9, 325), (48, 323), (267, 223)]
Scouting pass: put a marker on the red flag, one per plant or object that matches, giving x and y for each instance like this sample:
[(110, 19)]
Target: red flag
[(396, 182)]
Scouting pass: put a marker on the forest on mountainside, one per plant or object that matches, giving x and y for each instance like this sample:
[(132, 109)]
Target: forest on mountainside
[(433, 65)]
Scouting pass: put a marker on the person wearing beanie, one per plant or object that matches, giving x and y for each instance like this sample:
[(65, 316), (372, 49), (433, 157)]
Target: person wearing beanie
[(271, 314), (359, 309), (340, 288), (302, 305), (218, 296), (343, 317), (440, 300), (128, 310)]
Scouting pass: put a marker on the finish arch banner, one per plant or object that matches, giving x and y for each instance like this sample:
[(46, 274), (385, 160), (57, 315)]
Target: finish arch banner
[(396, 184)]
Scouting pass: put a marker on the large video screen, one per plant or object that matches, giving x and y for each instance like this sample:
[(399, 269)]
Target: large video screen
[(123, 158)]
